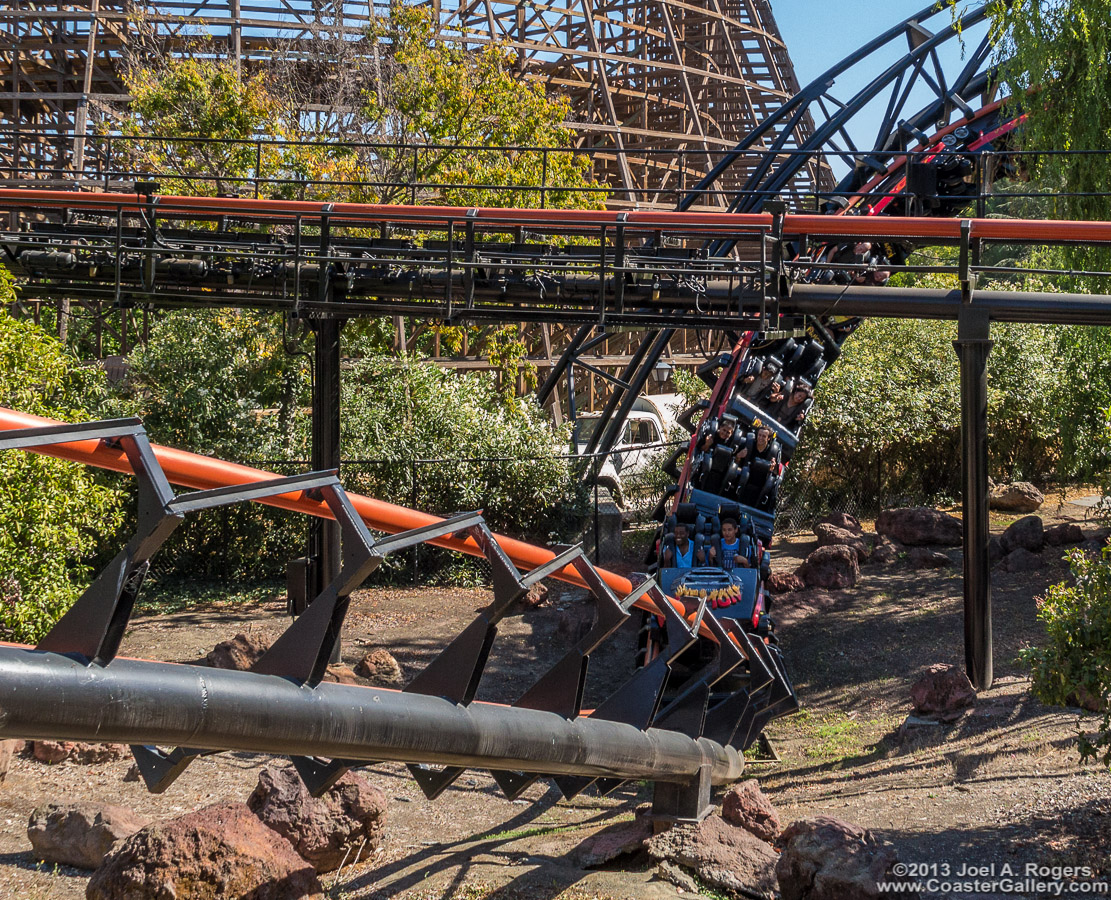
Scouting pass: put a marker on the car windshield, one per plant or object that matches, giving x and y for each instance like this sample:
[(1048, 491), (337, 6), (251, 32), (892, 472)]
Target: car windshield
[(584, 429)]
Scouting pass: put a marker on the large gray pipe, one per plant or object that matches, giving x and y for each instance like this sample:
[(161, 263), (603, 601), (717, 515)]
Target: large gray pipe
[(50, 696)]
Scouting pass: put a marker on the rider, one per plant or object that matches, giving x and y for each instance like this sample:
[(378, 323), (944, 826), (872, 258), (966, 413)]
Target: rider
[(683, 555)]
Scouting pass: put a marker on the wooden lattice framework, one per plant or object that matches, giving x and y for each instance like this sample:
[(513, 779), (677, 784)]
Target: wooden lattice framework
[(659, 88)]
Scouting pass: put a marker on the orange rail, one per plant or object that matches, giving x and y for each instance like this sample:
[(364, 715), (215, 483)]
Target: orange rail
[(1028, 230), (192, 470)]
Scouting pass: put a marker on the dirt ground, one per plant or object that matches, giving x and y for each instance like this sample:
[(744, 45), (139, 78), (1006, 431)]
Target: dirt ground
[(1001, 784)]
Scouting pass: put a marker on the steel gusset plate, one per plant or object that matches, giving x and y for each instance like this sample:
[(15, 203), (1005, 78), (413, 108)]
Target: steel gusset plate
[(687, 712), (637, 701), (455, 674), (560, 689), (781, 698), (735, 713)]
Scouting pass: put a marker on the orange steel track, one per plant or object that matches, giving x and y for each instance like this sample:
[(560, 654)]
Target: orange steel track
[(192, 470), (945, 229)]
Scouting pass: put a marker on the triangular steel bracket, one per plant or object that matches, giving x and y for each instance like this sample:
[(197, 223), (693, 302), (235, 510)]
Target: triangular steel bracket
[(560, 689), (434, 781), (735, 713), (456, 672), (318, 775), (94, 626), (513, 784), (687, 712), (637, 701), (781, 697), (302, 651), (160, 769)]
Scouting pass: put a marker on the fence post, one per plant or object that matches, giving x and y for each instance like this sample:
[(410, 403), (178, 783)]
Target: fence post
[(413, 505), (544, 180)]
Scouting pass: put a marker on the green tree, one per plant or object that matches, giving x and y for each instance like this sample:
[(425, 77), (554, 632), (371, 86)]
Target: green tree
[(193, 117), (499, 455), (1055, 64), (52, 513), (432, 91), (229, 384), (1073, 667), (886, 424)]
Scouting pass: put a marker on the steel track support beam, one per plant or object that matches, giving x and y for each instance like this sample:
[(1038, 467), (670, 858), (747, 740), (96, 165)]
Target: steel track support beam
[(324, 534), (49, 695), (973, 346), (620, 404)]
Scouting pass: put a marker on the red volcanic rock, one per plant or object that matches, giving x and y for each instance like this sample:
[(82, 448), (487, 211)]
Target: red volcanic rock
[(221, 852)]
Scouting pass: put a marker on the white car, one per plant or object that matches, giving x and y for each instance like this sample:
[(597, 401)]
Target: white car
[(650, 422)]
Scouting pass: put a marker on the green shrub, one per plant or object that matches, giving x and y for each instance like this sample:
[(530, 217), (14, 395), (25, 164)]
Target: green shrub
[(499, 453), (221, 383), (52, 513), (232, 385), (1074, 666), (886, 422)]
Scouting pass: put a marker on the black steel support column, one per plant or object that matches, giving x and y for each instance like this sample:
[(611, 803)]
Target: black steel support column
[(973, 346), (617, 410), (324, 535)]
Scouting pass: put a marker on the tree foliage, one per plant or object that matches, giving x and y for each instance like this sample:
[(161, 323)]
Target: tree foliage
[(52, 513), (211, 112), (498, 455), (1055, 64), (223, 383), (1073, 667), (428, 107), (886, 423), (443, 104)]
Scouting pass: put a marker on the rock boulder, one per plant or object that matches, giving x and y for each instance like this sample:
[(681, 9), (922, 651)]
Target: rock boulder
[(885, 550), (944, 690), (79, 834), (221, 852), (919, 525), (784, 583), (720, 855), (241, 652), (1065, 533), (380, 667), (343, 825), (746, 807), (1020, 560), (925, 558), (831, 567), (76, 751), (619, 839), (827, 859), (843, 521), (830, 535), (1027, 533), (340, 674), (1020, 497), (8, 749)]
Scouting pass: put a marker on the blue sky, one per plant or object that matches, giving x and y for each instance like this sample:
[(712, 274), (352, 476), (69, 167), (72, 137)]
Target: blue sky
[(819, 34)]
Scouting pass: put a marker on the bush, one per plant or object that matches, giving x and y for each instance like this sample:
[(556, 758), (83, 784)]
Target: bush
[(500, 455), (221, 383), (886, 423), (233, 386), (52, 513), (1074, 667)]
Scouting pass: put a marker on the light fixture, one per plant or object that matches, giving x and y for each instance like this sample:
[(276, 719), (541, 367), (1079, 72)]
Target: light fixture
[(661, 372)]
